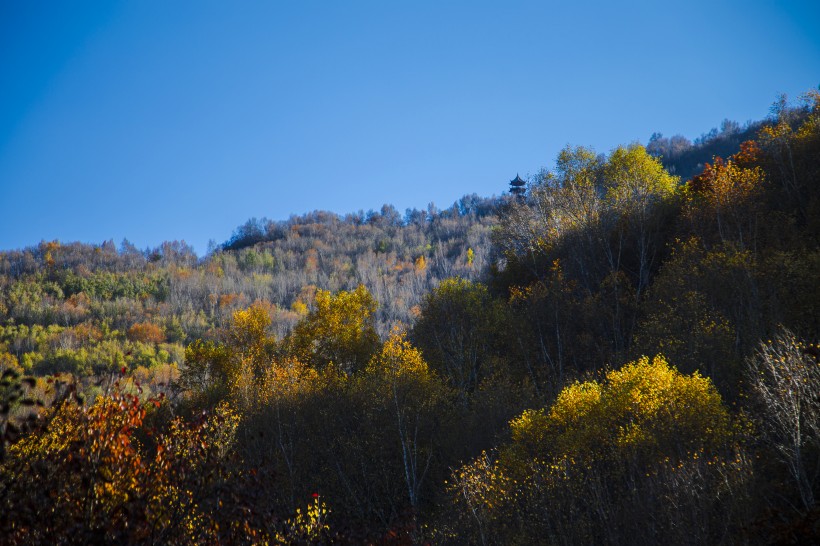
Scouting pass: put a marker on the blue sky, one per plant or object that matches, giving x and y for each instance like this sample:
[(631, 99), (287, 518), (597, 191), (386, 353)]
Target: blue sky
[(162, 120)]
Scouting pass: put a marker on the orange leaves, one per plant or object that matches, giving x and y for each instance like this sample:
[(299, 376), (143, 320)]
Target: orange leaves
[(750, 154), (146, 332), (724, 201), (229, 300), (726, 182), (88, 471)]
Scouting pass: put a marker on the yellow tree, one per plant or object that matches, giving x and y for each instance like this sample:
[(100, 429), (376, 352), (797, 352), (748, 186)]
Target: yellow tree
[(403, 385), (644, 444), (646, 407), (339, 330), (215, 369), (636, 186), (251, 350)]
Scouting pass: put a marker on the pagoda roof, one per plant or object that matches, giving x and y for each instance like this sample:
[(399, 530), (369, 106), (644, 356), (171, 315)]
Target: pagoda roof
[(517, 181)]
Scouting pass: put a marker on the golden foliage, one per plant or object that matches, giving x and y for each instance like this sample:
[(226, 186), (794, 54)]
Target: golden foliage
[(647, 406), (635, 179), (340, 330), (571, 471), (398, 360), (306, 527)]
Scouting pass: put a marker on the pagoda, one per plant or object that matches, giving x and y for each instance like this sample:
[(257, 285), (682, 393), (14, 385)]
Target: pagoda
[(518, 186)]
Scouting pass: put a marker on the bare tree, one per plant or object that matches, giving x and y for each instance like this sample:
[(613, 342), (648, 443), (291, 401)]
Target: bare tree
[(785, 375)]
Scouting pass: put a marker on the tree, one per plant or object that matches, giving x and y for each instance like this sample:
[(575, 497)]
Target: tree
[(647, 408), (636, 187), (645, 454), (724, 202), (215, 369), (695, 312), (96, 474), (791, 143), (564, 206), (785, 377), (457, 332), (339, 330), (546, 331), (146, 332), (414, 398)]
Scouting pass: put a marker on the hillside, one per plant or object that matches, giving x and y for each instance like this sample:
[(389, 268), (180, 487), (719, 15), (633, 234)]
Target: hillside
[(626, 353)]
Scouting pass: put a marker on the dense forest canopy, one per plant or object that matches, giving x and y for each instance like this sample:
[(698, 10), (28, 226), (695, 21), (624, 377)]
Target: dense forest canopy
[(626, 352)]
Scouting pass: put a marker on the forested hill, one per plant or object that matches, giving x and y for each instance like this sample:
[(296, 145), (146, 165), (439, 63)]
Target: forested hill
[(399, 258), (58, 287), (615, 356), (686, 159)]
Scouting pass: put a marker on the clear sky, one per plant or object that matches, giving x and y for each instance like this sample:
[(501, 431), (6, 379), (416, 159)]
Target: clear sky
[(162, 120)]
